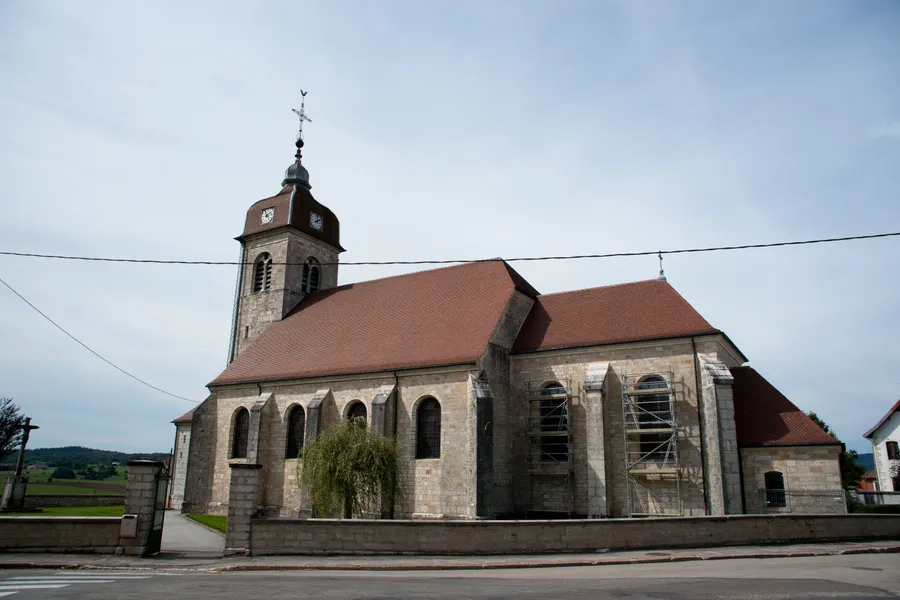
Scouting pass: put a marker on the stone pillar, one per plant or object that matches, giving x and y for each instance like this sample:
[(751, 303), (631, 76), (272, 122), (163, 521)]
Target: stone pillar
[(140, 500), (383, 408), (594, 391), (243, 505), (721, 460)]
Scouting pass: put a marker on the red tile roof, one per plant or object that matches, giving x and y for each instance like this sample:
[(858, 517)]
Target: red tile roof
[(764, 417), (887, 416), (642, 310), (187, 417), (430, 318)]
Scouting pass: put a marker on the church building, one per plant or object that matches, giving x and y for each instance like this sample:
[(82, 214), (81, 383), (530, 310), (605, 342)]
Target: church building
[(612, 401)]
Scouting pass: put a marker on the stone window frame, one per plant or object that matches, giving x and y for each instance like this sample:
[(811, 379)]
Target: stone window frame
[(262, 274), (352, 406), (295, 438), (311, 279), (234, 451), (775, 497), (419, 447), (659, 451), (548, 455)]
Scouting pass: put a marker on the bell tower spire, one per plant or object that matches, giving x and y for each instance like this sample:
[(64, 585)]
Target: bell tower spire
[(297, 174)]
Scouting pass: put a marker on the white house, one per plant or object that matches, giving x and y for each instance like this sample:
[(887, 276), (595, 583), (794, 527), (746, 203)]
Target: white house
[(885, 438)]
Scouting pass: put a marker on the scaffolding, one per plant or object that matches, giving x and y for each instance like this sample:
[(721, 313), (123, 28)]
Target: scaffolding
[(653, 475), (549, 458)]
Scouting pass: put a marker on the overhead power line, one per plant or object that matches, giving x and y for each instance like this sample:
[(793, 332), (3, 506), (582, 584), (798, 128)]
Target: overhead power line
[(155, 261), (92, 351)]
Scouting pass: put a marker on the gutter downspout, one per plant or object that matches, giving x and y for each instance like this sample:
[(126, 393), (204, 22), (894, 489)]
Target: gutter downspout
[(701, 418), (396, 408)]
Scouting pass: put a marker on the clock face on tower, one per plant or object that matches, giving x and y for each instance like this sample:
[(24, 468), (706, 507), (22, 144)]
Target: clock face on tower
[(267, 215), (315, 221)]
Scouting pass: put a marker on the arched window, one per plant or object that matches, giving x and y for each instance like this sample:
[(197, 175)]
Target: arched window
[(262, 273), (655, 412), (295, 432), (241, 434), (428, 429), (775, 495), (310, 281), (554, 418), (357, 411), (893, 451)]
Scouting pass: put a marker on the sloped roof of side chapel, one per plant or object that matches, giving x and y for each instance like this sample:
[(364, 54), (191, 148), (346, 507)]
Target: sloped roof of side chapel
[(446, 316)]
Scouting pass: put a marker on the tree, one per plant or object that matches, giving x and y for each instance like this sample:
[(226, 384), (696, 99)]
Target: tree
[(851, 472), (11, 423), (63, 473), (352, 469)]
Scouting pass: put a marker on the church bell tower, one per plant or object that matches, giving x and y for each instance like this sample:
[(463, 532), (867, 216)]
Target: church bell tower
[(289, 250)]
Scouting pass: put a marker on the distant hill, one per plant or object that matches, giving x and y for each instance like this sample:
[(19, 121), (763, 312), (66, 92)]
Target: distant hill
[(79, 454), (866, 461)]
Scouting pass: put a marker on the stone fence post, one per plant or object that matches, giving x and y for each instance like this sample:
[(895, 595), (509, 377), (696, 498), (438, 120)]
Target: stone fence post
[(140, 499), (243, 505)]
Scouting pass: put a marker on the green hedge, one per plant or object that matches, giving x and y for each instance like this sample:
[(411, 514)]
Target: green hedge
[(883, 509)]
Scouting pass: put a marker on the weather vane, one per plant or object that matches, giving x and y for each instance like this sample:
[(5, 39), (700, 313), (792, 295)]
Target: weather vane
[(301, 114)]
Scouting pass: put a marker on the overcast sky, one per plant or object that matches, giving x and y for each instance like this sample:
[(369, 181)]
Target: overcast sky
[(443, 131)]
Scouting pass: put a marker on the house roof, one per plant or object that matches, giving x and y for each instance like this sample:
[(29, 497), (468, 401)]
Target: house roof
[(642, 310), (187, 417), (871, 432), (765, 417), (430, 318)]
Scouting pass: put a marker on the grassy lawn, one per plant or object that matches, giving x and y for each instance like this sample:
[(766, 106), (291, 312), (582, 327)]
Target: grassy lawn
[(38, 483), (74, 511), (216, 522)]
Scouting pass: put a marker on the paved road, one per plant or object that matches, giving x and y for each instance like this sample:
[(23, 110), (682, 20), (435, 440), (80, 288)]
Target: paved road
[(186, 537), (832, 577)]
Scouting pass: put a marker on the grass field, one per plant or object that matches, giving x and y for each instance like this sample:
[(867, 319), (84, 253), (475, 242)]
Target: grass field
[(38, 483), (74, 511), (216, 522)]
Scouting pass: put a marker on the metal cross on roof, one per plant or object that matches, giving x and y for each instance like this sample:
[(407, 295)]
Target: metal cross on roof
[(301, 114)]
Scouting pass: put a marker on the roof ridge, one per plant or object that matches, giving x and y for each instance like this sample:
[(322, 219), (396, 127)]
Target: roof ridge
[(603, 287), (444, 268)]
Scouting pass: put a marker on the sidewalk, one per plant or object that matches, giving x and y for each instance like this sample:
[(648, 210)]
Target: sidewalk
[(176, 561)]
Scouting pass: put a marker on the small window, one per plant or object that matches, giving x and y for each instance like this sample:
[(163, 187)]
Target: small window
[(310, 280), (428, 429), (775, 494), (241, 434), (357, 412), (262, 273), (893, 451), (896, 483), (296, 431)]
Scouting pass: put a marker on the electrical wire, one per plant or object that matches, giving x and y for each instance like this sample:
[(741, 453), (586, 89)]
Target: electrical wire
[(464, 260), (92, 351)]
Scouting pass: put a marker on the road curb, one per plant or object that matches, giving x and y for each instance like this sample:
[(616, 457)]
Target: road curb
[(470, 563)]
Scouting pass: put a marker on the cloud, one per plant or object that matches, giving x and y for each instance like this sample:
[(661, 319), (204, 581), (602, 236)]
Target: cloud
[(887, 130)]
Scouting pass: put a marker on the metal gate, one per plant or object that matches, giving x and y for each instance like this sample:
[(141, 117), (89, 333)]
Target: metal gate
[(154, 542)]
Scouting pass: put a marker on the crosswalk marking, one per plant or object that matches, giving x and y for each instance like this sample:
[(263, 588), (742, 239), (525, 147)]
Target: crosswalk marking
[(62, 579)]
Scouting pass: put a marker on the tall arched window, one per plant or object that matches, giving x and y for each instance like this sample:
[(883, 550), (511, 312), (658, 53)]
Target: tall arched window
[(262, 273), (775, 496), (295, 432), (428, 429), (241, 433), (357, 411), (654, 412), (310, 281), (554, 417)]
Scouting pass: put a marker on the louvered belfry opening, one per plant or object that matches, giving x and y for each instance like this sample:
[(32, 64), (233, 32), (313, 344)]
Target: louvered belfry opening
[(310, 280), (262, 273)]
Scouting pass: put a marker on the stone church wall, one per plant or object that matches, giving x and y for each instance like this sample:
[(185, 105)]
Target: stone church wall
[(571, 366), (812, 478)]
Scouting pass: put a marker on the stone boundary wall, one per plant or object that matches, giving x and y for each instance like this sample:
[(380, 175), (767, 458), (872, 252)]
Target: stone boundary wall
[(53, 500), (333, 536), (99, 535)]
